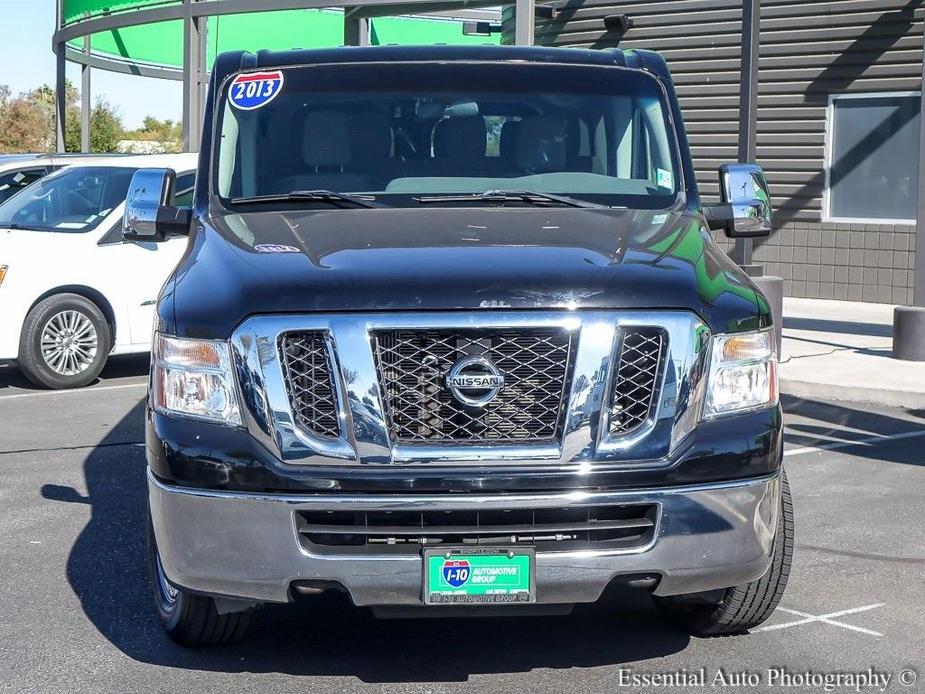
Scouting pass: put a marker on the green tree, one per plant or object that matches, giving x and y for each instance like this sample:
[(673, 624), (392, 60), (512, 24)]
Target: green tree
[(27, 122), (168, 133), (105, 127), (24, 123)]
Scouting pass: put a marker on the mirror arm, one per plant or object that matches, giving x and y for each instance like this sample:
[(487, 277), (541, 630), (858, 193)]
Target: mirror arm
[(173, 221), (718, 215)]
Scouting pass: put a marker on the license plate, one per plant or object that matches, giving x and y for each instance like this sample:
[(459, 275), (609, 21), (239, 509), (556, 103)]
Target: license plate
[(479, 576)]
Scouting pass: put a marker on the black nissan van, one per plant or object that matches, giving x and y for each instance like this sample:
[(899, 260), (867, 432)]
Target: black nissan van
[(451, 336)]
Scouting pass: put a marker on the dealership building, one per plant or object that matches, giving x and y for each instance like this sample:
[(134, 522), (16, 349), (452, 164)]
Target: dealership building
[(826, 96)]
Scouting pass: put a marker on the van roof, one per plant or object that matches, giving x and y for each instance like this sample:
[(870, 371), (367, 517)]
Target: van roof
[(638, 59)]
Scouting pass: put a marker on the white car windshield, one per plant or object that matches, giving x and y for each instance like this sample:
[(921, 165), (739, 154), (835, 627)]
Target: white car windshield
[(73, 200)]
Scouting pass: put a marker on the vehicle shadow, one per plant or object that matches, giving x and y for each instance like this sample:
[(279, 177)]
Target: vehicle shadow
[(11, 377), (126, 365), (828, 344), (835, 326), (119, 366), (107, 571), (823, 423)]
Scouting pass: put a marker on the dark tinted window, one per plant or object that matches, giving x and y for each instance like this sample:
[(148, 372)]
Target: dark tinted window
[(874, 157)]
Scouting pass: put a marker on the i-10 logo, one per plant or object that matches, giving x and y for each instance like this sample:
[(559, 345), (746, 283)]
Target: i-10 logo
[(255, 89), (456, 572)]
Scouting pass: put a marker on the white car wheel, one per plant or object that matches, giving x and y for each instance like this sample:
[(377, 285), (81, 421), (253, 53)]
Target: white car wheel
[(69, 343), (65, 342)]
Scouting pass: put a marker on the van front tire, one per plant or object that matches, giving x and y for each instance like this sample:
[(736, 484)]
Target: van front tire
[(65, 342), (740, 608), (190, 619)]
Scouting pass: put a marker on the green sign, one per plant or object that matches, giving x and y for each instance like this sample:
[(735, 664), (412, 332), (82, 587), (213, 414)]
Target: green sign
[(478, 576)]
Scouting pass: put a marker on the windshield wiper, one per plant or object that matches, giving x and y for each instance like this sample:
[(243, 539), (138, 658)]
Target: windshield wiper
[(528, 196), (328, 196), (22, 227)]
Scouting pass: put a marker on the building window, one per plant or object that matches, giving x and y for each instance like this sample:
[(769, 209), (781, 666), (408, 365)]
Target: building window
[(872, 152)]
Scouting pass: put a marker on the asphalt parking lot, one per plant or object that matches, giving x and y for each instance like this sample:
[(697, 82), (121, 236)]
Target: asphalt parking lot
[(76, 614)]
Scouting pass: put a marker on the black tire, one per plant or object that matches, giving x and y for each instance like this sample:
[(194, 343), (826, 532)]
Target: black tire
[(740, 608), (32, 361), (189, 619)]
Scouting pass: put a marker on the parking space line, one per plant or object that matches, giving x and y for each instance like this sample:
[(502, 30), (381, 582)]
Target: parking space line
[(82, 447), (52, 393), (842, 436), (832, 622), (866, 441), (824, 619)]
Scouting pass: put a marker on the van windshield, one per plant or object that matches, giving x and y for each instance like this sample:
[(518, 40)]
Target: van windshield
[(73, 200), (400, 132)]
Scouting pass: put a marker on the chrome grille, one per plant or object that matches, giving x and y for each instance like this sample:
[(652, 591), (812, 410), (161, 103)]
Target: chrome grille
[(412, 366), (309, 377), (636, 379)]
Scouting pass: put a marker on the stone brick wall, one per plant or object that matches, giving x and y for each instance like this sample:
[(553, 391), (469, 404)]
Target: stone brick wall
[(854, 262)]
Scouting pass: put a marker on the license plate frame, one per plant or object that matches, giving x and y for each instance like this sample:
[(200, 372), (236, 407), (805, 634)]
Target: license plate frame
[(436, 589)]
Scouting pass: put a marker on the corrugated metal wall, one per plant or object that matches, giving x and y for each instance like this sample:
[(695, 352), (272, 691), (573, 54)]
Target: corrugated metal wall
[(808, 51)]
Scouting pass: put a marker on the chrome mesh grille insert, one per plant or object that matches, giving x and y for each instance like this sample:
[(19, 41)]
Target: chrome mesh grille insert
[(536, 364), (636, 379), (309, 376)]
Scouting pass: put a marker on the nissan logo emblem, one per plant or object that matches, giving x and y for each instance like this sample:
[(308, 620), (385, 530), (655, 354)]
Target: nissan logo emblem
[(474, 381)]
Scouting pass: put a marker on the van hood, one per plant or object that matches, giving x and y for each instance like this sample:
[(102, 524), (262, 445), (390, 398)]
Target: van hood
[(453, 258)]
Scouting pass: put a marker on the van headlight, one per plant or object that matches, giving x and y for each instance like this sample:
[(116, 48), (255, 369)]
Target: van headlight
[(743, 373), (193, 378)]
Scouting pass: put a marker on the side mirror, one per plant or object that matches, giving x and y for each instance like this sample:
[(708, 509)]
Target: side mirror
[(746, 208), (150, 212)]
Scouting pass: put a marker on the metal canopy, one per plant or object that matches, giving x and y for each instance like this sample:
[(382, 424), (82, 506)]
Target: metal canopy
[(193, 14), (215, 8)]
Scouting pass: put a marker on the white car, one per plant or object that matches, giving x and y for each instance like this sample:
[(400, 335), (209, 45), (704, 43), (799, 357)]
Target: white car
[(72, 292)]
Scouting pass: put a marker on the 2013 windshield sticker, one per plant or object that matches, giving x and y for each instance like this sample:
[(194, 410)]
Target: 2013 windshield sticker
[(253, 90)]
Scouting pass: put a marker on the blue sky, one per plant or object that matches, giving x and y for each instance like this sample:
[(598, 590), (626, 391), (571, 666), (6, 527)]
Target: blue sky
[(25, 35)]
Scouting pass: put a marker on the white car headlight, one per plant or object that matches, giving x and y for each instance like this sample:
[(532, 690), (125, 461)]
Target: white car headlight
[(743, 373), (193, 378)]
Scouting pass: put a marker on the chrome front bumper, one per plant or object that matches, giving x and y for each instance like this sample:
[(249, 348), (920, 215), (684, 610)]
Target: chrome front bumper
[(247, 546)]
